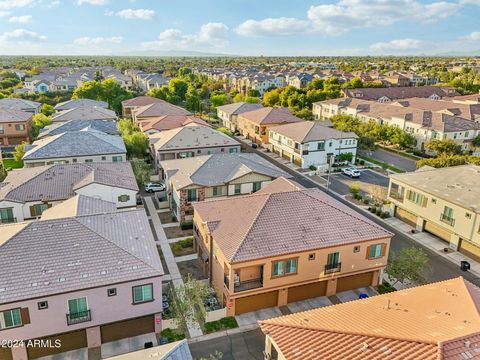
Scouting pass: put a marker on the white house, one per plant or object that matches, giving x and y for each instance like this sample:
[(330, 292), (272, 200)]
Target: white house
[(310, 143)]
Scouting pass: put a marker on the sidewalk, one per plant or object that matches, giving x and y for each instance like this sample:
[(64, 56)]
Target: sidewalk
[(193, 329)]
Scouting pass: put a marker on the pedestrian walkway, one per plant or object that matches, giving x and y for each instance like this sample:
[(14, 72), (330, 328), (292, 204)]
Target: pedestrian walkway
[(175, 276), (186, 258), (174, 240), (435, 244), (169, 225)]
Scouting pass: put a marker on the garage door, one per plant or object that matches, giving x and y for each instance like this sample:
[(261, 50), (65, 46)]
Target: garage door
[(127, 328), (308, 291), (70, 341), (5, 353), (286, 156), (354, 281), (406, 216), (469, 249), (297, 160), (437, 230), (256, 302), (276, 150)]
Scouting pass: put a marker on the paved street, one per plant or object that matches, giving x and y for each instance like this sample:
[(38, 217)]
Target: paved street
[(242, 346), (340, 183), (398, 161), (440, 268)]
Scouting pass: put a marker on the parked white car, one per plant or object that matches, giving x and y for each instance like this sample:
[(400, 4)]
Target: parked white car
[(153, 187), (352, 172)]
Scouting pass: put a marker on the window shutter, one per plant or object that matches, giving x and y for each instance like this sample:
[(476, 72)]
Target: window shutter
[(367, 255), (25, 316), (384, 249)]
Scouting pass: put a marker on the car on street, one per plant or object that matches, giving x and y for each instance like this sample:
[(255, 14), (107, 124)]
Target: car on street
[(352, 172), (153, 187)]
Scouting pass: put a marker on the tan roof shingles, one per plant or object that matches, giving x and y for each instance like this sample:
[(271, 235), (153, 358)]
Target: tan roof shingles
[(306, 131), (306, 219), (423, 322), (270, 115)]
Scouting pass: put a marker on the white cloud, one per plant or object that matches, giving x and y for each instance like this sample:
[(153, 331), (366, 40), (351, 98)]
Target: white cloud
[(272, 26), (93, 2), (398, 45), (4, 13), (15, 4), (136, 14), (474, 36), (97, 40), (21, 35), (211, 35), (24, 19)]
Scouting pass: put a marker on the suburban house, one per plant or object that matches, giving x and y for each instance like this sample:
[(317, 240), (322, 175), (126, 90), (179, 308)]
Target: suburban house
[(157, 109), (210, 176), (26, 193), (228, 113), (300, 81), (310, 143), (255, 124), (77, 282), (189, 141), (386, 95), (444, 202), (21, 104), (281, 245), (131, 104), (74, 103), (15, 126), (104, 126), (86, 145), (167, 122), (84, 113), (429, 322)]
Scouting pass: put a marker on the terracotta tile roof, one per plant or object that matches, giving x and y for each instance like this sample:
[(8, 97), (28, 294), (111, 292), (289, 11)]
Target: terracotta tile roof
[(270, 115), (280, 184), (306, 131), (306, 219), (434, 321)]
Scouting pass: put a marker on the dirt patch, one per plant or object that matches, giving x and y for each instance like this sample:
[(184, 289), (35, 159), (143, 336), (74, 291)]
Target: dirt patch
[(193, 268), (162, 259), (182, 247), (175, 232), (166, 217)]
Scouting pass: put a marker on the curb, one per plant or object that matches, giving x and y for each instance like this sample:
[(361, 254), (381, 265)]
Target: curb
[(222, 333)]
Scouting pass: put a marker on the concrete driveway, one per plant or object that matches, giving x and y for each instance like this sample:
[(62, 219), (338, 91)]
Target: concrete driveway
[(390, 158), (340, 183)]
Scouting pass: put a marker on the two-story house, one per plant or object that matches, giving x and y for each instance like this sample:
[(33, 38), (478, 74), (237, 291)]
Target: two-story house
[(444, 202), (131, 104), (280, 246), (255, 124), (309, 143), (86, 145), (218, 175), (156, 109), (21, 104), (15, 126), (228, 113), (74, 283), (190, 141), (26, 193)]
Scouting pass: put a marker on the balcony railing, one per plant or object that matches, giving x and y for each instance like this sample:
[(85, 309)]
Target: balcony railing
[(333, 268), (8, 220), (77, 318), (248, 285), (447, 219)]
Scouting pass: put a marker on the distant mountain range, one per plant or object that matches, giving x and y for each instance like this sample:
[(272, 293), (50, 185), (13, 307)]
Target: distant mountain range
[(171, 53)]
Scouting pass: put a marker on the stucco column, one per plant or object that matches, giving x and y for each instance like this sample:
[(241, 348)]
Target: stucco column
[(420, 223), (157, 318), (19, 353), (454, 242), (94, 343), (282, 297), (331, 287), (375, 278)]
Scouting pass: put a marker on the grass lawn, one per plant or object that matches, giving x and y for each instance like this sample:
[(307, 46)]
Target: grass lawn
[(182, 247), (12, 164), (401, 153), (382, 164), (225, 323), (172, 335)]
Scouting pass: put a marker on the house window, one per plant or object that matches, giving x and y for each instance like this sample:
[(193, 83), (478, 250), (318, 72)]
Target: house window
[(74, 160), (417, 198), (77, 308), (10, 318), (191, 195), (468, 215), (447, 216), (123, 198), (112, 292), (238, 188), (142, 293), (38, 209), (257, 185), (233, 150), (217, 191), (284, 267), (356, 249), (20, 127), (104, 158), (42, 305), (321, 146), (1, 129), (333, 259), (88, 160), (434, 201), (375, 251), (311, 256), (6, 216), (117, 158)]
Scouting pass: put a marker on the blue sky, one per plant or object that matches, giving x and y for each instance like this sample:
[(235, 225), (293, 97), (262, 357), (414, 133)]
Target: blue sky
[(242, 27)]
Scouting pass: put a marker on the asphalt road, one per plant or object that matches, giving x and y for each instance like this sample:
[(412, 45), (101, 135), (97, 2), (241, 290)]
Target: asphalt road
[(340, 183), (439, 267), (398, 161)]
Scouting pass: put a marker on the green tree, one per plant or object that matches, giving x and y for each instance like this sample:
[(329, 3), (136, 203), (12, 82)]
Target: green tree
[(39, 122), (178, 87), (218, 100), (407, 265), (253, 93), (142, 172), (445, 146), (136, 144), (271, 98), (107, 90), (47, 109), (252, 100), (19, 151)]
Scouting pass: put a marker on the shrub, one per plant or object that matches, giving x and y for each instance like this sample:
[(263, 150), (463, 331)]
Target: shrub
[(385, 287), (366, 201), (378, 212), (172, 335), (186, 225), (228, 322), (362, 162), (386, 215), (312, 167)]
